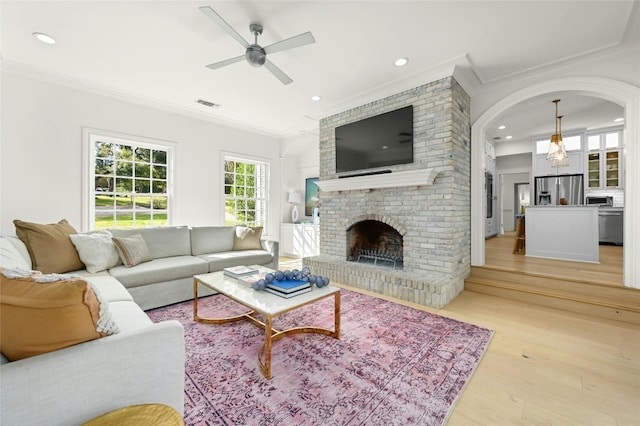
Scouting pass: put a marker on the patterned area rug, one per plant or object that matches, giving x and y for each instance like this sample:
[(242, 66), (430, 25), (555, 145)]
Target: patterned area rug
[(393, 365)]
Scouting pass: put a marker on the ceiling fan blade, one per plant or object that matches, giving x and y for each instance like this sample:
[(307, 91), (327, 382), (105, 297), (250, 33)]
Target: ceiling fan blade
[(280, 75), (290, 43), (213, 15), (226, 62)]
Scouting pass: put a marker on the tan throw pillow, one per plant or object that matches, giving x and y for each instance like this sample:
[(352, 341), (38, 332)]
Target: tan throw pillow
[(247, 238), (43, 313), (133, 250), (49, 246)]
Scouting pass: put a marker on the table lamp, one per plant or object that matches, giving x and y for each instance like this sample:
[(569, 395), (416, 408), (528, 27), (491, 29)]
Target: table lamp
[(294, 199)]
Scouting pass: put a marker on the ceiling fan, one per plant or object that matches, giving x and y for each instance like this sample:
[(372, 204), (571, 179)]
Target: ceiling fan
[(255, 54)]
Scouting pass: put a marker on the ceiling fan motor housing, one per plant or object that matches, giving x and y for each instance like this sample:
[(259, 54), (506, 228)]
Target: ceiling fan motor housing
[(256, 56)]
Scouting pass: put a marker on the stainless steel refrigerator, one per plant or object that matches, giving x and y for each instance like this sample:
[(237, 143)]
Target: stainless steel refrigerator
[(559, 190)]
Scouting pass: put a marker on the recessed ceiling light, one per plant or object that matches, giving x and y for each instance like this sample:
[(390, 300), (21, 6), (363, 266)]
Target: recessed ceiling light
[(401, 62), (508, 137), (502, 127), (619, 119), (45, 38), (384, 147), (315, 98)]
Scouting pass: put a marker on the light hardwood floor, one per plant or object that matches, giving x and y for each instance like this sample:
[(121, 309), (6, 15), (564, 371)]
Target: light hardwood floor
[(544, 366), (499, 255)]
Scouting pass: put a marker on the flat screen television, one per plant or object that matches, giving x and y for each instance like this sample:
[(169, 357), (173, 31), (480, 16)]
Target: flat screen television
[(378, 141)]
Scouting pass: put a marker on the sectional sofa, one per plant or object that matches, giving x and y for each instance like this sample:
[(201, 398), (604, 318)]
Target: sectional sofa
[(143, 362)]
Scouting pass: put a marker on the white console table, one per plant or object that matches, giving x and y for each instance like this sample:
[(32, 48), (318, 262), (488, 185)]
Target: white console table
[(299, 240)]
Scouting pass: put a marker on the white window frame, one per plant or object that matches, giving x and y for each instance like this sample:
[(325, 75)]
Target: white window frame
[(243, 158), (547, 141), (89, 138), (602, 133)]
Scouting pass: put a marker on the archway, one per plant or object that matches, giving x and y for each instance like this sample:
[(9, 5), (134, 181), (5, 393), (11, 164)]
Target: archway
[(618, 92)]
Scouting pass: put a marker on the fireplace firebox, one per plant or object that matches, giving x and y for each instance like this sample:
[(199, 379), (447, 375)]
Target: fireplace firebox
[(375, 242)]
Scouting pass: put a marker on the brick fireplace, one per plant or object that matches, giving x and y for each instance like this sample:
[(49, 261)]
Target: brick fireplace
[(417, 216)]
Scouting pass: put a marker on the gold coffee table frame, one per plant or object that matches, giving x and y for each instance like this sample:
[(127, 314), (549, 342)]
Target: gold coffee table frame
[(267, 305)]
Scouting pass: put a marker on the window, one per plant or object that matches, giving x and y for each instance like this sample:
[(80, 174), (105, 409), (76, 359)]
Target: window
[(128, 181), (593, 142), (612, 140), (246, 188), (571, 143), (609, 139)]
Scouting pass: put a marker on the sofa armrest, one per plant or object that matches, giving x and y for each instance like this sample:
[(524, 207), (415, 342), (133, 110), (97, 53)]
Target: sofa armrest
[(76, 384), (272, 247)]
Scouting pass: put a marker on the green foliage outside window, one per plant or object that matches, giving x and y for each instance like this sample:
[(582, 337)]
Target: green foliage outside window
[(130, 185), (245, 189)]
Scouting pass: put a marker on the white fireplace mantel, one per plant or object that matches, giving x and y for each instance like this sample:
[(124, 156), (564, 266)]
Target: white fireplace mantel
[(421, 177)]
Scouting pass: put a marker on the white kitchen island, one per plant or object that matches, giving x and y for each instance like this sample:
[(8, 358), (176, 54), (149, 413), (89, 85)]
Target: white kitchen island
[(563, 232)]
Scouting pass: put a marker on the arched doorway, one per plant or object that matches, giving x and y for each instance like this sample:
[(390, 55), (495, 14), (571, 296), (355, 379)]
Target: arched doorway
[(621, 93)]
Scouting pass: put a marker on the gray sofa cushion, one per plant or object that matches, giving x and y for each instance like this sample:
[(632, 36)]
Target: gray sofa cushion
[(129, 316), (159, 270), (212, 239), (110, 288), (14, 254), (219, 261), (163, 241)]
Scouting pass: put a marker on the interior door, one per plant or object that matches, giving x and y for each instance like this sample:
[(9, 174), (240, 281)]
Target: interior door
[(522, 193)]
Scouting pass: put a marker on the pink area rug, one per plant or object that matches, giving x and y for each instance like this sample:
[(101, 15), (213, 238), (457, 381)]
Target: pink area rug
[(393, 365)]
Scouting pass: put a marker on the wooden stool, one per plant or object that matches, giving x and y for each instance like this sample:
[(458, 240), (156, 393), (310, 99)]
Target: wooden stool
[(519, 243), (139, 415)]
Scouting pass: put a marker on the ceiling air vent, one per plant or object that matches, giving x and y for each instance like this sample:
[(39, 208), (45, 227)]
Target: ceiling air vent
[(207, 103)]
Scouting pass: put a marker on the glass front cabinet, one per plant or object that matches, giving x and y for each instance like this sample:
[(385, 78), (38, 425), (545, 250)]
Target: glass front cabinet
[(603, 160)]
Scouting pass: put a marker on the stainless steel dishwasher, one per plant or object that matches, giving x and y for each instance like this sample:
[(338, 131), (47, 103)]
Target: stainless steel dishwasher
[(611, 223)]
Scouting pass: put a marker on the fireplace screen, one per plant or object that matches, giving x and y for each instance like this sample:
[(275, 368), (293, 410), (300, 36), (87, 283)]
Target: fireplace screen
[(374, 242)]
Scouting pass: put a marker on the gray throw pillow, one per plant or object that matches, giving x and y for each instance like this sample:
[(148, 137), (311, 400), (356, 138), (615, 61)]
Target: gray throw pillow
[(133, 250)]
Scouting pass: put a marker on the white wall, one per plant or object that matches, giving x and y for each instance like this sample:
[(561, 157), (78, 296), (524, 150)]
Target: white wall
[(518, 162), (300, 160), (41, 146), (513, 147)]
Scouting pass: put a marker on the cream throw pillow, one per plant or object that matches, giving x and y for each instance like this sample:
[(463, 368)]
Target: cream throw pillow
[(96, 250), (133, 250), (247, 238)]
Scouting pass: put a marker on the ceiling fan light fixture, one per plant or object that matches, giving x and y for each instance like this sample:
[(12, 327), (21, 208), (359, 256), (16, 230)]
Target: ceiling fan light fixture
[(256, 55)]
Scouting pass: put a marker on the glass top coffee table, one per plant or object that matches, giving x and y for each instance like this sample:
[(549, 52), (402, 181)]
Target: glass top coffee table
[(268, 305)]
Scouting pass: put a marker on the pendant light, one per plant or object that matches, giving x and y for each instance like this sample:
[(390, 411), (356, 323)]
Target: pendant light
[(557, 153)]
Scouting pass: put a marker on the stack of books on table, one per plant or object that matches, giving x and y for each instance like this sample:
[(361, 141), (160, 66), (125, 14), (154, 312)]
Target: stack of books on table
[(239, 271), (288, 288)]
